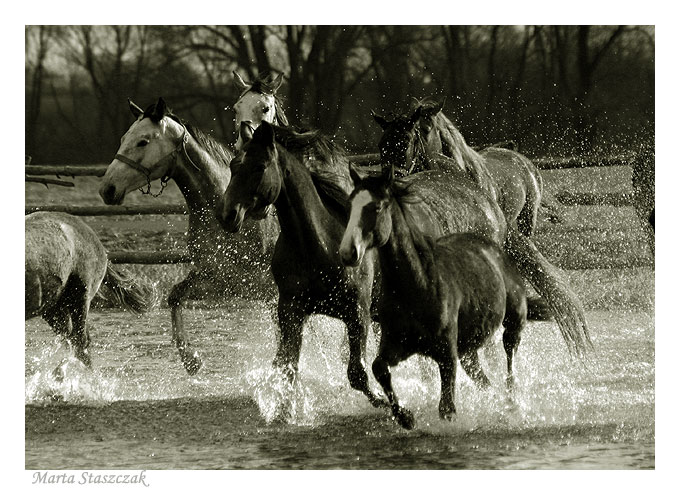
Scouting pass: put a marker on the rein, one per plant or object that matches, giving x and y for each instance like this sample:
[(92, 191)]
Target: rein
[(181, 146)]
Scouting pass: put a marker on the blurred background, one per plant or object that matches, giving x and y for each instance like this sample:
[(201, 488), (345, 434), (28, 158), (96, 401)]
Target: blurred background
[(556, 90)]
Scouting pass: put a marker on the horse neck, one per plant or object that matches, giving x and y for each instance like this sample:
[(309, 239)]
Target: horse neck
[(407, 258), (200, 178), (303, 216)]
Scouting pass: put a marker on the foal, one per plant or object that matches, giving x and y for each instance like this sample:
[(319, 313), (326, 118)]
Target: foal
[(441, 298)]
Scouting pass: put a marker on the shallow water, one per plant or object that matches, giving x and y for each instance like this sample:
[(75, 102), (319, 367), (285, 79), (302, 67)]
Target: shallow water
[(138, 409)]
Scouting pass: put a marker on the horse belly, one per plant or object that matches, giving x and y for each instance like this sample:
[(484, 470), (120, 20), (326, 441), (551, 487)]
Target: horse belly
[(475, 276)]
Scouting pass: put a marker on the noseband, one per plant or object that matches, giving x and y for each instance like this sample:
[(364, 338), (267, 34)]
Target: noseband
[(181, 146)]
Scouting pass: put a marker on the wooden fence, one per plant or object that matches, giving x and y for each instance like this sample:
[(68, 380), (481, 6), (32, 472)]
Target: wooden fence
[(171, 257)]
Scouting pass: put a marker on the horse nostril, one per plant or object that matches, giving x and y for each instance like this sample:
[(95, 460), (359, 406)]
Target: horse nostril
[(108, 193)]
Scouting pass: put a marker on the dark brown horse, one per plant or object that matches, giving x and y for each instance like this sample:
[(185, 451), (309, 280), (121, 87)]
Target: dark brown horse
[(159, 145), (442, 298), (426, 139), (66, 265), (306, 177)]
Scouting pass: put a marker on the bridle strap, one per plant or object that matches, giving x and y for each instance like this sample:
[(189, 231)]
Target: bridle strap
[(146, 172)]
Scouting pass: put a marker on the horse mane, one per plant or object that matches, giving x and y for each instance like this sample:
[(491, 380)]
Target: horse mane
[(218, 151), (324, 159), (455, 147)]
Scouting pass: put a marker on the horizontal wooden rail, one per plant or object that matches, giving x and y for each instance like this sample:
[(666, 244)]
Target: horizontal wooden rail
[(558, 163), (70, 170), (149, 257), (594, 199), (544, 163), (112, 210)]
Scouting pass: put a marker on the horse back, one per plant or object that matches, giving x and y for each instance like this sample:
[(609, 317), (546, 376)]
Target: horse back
[(59, 246), (446, 203)]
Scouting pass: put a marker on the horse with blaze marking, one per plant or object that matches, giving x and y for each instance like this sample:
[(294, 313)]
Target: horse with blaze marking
[(442, 298)]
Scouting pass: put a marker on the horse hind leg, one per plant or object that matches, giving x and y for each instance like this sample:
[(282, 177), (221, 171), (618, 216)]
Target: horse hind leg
[(178, 294), (79, 306), (513, 324), (470, 363)]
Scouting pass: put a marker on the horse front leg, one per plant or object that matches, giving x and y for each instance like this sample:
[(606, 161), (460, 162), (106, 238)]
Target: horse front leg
[(357, 331), (179, 293), (381, 371), (291, 318), (447, 359)]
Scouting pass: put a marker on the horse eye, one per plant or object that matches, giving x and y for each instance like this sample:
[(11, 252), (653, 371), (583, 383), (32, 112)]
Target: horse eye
[(265, 109), (143, 142)]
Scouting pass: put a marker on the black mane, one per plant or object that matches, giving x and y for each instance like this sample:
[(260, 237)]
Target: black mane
[(218, 151)]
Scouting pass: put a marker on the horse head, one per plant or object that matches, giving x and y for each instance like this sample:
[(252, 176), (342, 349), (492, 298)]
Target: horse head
[(408, 139), (146, 153), (255, 181), (257, 103), (370, 221)]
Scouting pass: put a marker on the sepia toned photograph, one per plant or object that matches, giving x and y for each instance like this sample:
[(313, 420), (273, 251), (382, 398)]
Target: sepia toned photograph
[(338, 247)]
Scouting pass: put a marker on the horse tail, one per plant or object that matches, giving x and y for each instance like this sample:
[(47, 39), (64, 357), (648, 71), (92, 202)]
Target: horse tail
[(551, 208), (125, 291), (547, 281)]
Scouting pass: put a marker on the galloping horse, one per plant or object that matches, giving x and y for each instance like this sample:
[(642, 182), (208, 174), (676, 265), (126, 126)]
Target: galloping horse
[(257, 103), (158, 145), (424, 138), (66, 265), (442, 298), (306, 177)]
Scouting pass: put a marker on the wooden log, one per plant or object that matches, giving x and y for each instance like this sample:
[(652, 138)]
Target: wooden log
[(70, 170), (149, 257), (543, 163), (594, 199), (559, 163), (47, 182), (112, 210)]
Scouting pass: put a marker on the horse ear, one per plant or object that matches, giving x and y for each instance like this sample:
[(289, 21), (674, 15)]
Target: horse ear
[(159, 110), (434, 108), (354, 174), (382, 121), (277, 82), (387, 175), (135, 109), (240, 84), (416, 115), (264, 134)]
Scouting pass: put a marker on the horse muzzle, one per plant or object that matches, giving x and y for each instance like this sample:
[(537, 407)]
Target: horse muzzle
[(351, 254), (231, 219), (110, 194)]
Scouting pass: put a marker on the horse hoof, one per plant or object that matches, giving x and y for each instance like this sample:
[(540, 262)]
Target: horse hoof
[(405, 419), (58, 373), (447, 416), (192, 363)]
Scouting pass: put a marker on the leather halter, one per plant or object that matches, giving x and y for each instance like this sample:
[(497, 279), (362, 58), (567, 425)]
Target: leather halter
[(146, 172)]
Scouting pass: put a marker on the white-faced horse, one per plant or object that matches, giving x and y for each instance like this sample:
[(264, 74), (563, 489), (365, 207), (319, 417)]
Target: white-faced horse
[(257, 103), (158, 145)]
